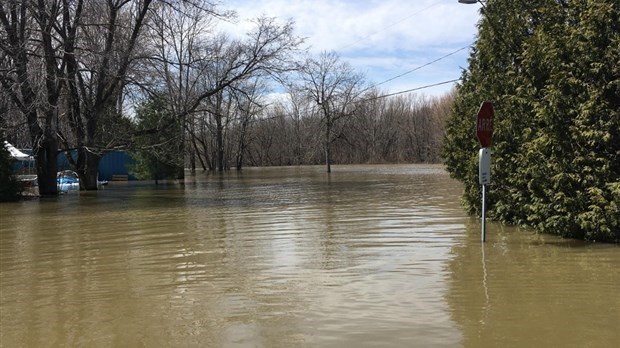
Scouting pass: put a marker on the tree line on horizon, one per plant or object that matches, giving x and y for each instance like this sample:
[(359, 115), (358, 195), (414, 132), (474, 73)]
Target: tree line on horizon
[(402, 129)]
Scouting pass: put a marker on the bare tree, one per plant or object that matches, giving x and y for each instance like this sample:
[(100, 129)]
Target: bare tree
[(368, 130), (226, 64), (30, 76), (249, 105), (333, 86), (96, 69), (69, 58), (301, 135), (178, 38), (440, 111)]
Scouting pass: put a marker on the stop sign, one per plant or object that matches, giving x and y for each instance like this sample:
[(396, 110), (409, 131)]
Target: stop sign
[(484, 124)]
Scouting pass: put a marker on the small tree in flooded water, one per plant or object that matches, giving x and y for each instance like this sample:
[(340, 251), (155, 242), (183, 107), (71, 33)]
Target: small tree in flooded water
[(332, 86), (157, 147)]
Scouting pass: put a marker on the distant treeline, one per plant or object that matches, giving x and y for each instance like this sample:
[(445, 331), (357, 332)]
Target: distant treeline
[(401, 129)]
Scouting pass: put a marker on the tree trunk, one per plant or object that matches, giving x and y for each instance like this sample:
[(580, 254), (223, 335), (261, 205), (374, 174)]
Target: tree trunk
[(47, 166), (197, 153), (328, 134), (192, 159), (328, 152), (242, 145), (88, 169), (45, 152), (180, 176), (239, 156), (219, 139)]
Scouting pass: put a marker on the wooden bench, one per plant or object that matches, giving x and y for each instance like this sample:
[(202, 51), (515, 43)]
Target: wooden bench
[(120, 177)]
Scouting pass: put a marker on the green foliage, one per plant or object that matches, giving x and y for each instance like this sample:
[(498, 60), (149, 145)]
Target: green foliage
[(157, 149), (10, 189), (552, 69)]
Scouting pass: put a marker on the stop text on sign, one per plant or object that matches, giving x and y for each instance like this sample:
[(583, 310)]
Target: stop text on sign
[(484, 124)]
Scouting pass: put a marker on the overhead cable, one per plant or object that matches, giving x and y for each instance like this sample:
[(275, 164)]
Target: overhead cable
[(419, 67)]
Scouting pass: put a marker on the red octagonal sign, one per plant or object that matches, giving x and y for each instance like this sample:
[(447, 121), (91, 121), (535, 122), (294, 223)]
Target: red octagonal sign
[(484, 124)]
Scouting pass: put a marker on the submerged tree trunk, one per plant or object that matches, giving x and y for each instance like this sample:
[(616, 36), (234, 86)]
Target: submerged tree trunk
[(328, 162), (241, 146), (220, 145), (180, 176), (46, 161), (219, 133), (87, 169), (328, 152), (45, 146), (328, 136)]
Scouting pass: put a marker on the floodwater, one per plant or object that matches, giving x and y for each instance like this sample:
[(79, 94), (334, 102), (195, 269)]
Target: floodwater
[(369, 256)]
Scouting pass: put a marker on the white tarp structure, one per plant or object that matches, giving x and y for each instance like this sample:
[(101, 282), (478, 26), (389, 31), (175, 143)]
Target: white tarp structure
[(15, 153)]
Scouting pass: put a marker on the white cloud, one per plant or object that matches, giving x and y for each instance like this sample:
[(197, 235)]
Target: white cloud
[(388, 24), (382, 38)]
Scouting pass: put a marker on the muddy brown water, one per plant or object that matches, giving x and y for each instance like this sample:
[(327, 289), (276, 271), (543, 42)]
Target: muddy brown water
[(368, 256)]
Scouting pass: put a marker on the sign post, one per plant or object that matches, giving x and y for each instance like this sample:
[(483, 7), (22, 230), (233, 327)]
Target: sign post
[(484, 133)]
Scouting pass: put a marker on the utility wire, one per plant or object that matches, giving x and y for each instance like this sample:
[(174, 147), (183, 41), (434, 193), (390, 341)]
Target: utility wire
[(409, 90), (307, 109), (417, 68), (414, 69)]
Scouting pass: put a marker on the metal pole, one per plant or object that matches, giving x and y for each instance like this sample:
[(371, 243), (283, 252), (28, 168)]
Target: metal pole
[(484, 212)]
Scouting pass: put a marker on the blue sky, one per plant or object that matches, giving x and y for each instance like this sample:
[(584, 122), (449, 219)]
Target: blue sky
[(380, 38)]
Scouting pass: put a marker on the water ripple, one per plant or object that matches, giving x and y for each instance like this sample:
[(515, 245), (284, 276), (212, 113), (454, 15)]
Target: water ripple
[(280, 257)]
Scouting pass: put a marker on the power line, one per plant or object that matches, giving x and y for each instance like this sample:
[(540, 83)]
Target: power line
[(419, 67), (416, 68), (408, 90), (307, 109)]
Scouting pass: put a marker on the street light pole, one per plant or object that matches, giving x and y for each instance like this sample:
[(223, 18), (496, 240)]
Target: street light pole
[(470, 2)]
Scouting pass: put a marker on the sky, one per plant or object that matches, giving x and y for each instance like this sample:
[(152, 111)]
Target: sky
[(398, 45)]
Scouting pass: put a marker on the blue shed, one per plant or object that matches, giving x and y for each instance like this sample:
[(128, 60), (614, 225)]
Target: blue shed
[(113, 163)]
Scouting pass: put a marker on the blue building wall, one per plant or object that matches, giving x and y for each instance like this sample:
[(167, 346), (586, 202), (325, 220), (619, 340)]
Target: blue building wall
[(115, 163), (112, 163)]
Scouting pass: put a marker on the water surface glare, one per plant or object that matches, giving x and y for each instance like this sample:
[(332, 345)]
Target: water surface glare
[(368, 256)]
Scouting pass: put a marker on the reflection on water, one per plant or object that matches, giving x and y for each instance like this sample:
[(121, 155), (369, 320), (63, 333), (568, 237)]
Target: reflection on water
[(293, 257), (521, 289)]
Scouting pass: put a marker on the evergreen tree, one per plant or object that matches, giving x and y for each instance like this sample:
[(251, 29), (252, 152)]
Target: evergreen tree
[(158, 144), (552, 69)]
